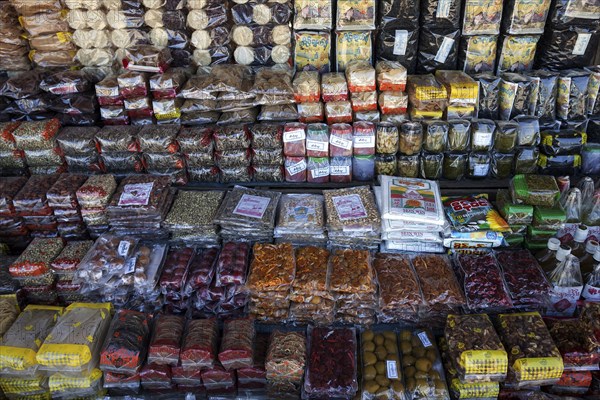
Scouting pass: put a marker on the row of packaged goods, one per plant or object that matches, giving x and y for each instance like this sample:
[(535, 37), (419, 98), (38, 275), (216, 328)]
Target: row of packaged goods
[(133, 263), (472, 36), (229, 94), (82, 351)]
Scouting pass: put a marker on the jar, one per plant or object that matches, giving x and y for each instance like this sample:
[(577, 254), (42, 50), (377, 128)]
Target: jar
[(431, 165), (435, 136), (387, 138), (408, 166), (363, 168), (502, 165), (459, 135), (385, 164), (479, 165), (455, 166), (411, 138), (505, 138), (482, 134)]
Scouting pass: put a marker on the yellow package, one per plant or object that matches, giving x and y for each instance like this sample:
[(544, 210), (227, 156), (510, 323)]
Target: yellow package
[(24, 386), (23, 339), (9, 310), (353, 46), (89, 382), (74, 343)]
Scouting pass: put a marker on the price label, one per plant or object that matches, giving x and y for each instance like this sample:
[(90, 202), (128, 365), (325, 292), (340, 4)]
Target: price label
[(130, 265), (392, 369), (581, 44), (444, 50), (319, 172), (315, 145), (361, 142), (443, 9), (340, 142), (400, 42), (296, 168), (339, 170), (424, 339), (294, 136), (123, 248)]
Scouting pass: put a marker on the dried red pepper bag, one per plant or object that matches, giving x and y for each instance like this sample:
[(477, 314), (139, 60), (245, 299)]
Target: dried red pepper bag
[(165, 344), (125, 345)]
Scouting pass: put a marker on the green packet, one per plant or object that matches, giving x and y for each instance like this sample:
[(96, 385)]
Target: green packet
[(514, 214), (536, 244), (514, 239), (534, 232), (549, 218), (535, 190), (516, 229)]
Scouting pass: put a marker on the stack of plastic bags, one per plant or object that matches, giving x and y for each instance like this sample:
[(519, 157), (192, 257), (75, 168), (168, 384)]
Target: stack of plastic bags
[(71, 351), (37, 141), (31, 204), (160, 152), (79, 148), (62, 199), (267, 154), (126, 18), (271, 274), (20, 373), (140, 205), (93, 197), (208, 22), (165, 88), (168, 22), (412, 215), (91, 32), (352, 217), (191, 216), (248, 215), (13, 46), (119, 150), (232, 153), (13, 230), (64, 267), (301, 219)]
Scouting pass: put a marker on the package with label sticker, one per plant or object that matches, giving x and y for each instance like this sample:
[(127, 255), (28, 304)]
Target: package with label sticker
[(312, 50), (381, 369), (355, 15), (397, 42), (311, 15), (525, 17), (438, 49), (572, 93), (307, 87), (482, 17)]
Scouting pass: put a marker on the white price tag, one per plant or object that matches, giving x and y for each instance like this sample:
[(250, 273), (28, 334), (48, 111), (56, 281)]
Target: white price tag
[(297, 168), (123, 248), (400, 42), (315, 145), (581, 44), (294, 136), (252, 206), (482, 139), (361, 142), (340, 142), (136, 194), (392, 369), (480, 169), (339, 170), (424, 339), (591, 293), (130, 265), (443, 9), (444, 50), (319, 172)]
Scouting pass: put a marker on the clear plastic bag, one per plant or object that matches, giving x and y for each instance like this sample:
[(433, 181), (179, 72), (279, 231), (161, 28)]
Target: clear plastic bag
[(518, 17), (36, 135), (361, 76), (516, 95), (572, 94), (438, 49), (31, 199), (351, 46), (125, 346), (74, 343), (329, 347), (307, 87), (165, 344), (117, 138), (147, 58), (515, 53), (489, 88), (338, 112), (199, 349), (237, 350), (334, 87)]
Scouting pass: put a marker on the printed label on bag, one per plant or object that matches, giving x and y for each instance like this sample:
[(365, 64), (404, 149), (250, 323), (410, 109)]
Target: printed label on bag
[(252, 206), (296, 168), (339, 170), (443, 9), (130, 266), (315, 145), (591, 293), (444, 50), (340, 142), (349, 207), (123, 248), (319, 172), (392, 369), (424, 339), (581, 44), (400, 42), (361, 142), (480, 169), (294, 136), (137, 194), (482, 139), (564, 299)]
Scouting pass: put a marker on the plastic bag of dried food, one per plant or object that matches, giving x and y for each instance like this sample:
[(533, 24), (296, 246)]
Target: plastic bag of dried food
[(391, 76), (147, 58), (165, 343), (125, 346), (237, 350), (51, 23), (545, 103), (572, 94), (482, 17), (516, 95), (36, 135), (74, 343), (355, 15), (314, 16), (489, 89), (96, 191), (571, 47), (285, 112), (352, 46), (266, 135), (199, 118), (167, 85), (158, 139), (521, 17), (307, 87), (95, 57), (334, 87), (338, 112), (245, 116), (9, 187), (528, 132), (477, 54), (199, 349), (262, 55), (133, 84), (360, 76), (515, 53), (440, 14), (31, 199), (438, 49), (427, 97), (68, 82), (397, 42), (117, 138), (270, 81)]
